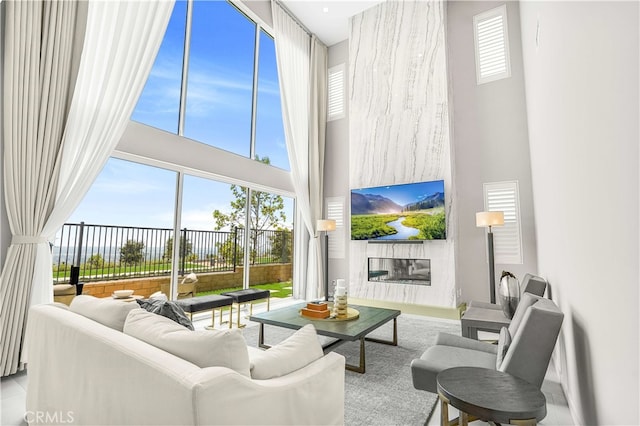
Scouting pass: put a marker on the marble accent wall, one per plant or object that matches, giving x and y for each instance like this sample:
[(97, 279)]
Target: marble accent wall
[(399, 133)]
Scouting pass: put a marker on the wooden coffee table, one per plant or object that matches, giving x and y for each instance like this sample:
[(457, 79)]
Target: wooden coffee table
[(343, 331)]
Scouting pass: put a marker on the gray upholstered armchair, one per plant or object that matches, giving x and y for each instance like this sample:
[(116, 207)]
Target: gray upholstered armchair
[(524, 348)]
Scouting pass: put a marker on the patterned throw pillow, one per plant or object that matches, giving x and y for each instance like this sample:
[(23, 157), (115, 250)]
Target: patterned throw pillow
[(168, 309)]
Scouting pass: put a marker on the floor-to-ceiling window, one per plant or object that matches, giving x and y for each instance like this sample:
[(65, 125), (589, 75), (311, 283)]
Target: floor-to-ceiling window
[(213, 94), (121, 228), (215, 80)]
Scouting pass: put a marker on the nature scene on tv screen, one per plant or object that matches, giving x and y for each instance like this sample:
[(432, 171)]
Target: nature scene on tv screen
[(413, 211)]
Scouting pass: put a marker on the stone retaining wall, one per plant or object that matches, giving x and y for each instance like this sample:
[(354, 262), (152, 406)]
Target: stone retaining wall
[(259, 274)]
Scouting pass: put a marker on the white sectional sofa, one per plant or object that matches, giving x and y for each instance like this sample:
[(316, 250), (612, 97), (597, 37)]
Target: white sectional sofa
[(87, 371)]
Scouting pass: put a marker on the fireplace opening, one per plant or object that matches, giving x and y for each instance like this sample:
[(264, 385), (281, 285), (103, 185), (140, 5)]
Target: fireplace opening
[(401, 271)]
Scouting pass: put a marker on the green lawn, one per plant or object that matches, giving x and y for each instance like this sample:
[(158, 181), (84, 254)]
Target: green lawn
[(116, 270), (282, 289)]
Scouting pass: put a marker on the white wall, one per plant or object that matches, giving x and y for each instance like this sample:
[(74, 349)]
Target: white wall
[(491, 144), (336, 162), (581, 81)]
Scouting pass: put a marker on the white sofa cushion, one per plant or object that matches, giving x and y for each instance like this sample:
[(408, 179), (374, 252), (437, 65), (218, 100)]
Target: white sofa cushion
[(294, 353), (111, 313), (204, 348)]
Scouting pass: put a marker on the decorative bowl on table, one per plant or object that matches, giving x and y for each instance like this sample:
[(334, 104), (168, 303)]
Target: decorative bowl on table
[(122, 294)]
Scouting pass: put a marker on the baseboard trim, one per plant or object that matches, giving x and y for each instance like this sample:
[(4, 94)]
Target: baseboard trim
[(410, 308)]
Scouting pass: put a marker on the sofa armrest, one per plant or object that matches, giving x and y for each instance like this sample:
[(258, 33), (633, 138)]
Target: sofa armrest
[(447, 339), (311, 395)]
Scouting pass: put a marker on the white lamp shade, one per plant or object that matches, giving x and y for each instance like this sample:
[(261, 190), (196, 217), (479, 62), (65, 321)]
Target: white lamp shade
[(486, 219), (326, 225)]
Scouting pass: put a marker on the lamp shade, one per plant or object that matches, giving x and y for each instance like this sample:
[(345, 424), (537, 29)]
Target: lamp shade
[(486, 219), (326, 225)]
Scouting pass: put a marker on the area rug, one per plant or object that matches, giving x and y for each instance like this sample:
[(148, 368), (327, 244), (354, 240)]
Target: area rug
[(384, 395)]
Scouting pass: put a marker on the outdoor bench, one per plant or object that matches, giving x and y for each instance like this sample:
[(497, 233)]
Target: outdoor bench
[(250, 296), (207, 303)]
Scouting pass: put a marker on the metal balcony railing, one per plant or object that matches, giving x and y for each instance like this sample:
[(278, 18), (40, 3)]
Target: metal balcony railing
[(106, 252)]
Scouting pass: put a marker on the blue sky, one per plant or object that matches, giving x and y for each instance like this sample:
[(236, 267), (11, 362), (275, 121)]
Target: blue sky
[(218, 113), (405, 193)]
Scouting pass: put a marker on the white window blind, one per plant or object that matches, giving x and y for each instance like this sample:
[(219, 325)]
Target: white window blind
[(492, 45), (507, 241), (334, 206), (335, 95)]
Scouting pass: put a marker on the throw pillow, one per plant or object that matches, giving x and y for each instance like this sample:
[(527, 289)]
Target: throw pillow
[(167, 309), (504, 341), (107, 311), (158, 295), (297, 351), (204, 348)]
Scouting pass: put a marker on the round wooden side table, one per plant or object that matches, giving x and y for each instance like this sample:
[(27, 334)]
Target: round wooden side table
[(489, 395)]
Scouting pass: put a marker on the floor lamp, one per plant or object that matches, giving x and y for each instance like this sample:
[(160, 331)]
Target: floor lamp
[(487, 220), (326, 226)]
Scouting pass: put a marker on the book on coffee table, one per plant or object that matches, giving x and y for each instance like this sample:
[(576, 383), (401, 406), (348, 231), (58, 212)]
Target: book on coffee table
[(316, 310)]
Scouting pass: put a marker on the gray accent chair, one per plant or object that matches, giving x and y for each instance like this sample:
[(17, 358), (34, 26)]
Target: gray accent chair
[(530, 284), (523, 350)]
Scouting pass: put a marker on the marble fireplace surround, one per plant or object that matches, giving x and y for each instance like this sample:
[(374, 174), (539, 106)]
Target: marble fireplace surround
[(399, 133), (400, 271)]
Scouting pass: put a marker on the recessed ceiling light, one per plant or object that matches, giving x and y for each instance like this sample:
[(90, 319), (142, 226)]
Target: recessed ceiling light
[(325, 9)]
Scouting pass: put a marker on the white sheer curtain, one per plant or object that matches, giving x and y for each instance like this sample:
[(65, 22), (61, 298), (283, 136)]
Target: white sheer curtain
[(317, 128), (305, 143), (47, 169)]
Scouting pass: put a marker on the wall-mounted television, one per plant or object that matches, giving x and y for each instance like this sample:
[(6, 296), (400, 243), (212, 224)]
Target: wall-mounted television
[(405, 212)]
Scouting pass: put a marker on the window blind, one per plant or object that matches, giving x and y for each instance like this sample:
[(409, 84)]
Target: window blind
[(335, 95), (507, 241), (334, 207), (492, 45)]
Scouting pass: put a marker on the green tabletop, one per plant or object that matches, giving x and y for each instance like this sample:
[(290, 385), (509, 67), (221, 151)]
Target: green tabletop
[(370, 318)]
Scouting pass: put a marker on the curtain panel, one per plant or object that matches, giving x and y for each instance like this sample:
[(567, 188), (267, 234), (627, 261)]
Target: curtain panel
[(38, 56), (298, 73), (59, 133)]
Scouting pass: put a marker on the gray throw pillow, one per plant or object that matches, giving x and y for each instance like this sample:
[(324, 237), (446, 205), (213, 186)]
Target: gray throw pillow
[(168, 309)]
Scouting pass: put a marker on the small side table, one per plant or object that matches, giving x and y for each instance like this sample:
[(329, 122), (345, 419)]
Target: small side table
[(475, 319), (489, 395)]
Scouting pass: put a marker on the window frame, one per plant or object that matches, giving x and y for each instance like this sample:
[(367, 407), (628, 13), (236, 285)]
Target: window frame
[(496, 198), (334, 208), (174, 152), (260, 26), (331, 90), (500, 11)]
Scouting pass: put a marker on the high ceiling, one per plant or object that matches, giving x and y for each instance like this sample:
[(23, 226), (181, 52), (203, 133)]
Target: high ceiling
[(328, 19)]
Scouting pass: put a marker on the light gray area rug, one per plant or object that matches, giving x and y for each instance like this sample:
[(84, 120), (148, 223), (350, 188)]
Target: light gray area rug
[(384, 395)]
